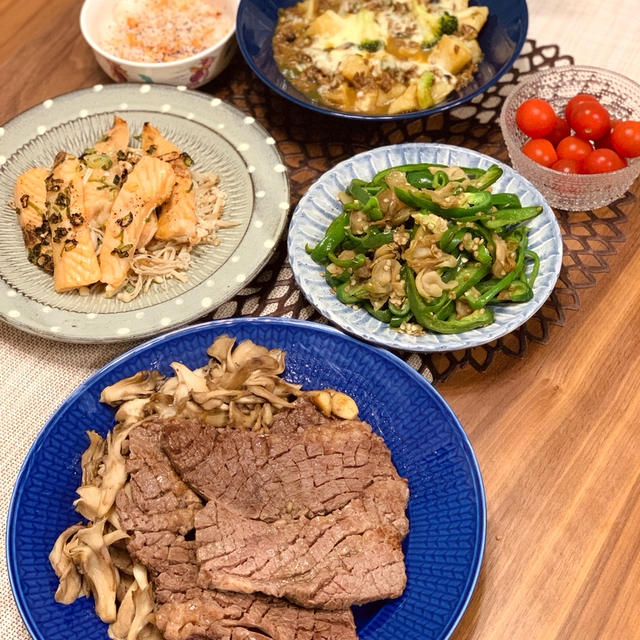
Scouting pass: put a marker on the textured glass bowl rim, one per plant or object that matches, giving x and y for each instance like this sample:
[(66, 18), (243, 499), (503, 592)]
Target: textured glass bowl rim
[(148, 65), (443, 106), (229, 323), (632, 170)]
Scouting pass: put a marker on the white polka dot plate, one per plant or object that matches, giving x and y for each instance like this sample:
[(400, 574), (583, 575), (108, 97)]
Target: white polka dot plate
[(217, 136), (320, 206)]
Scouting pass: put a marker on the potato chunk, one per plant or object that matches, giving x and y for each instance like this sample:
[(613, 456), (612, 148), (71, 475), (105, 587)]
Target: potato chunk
[(451, 53)]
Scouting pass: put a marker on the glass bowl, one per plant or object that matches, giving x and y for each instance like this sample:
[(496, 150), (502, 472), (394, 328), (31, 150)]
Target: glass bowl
[(573, 192)]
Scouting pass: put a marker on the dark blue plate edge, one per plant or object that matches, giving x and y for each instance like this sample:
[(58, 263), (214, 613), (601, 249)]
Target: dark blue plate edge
[(379, 118), (474, 468)]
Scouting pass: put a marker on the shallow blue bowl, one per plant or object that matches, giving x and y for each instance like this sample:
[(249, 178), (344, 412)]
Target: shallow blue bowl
[(446, 509), (320, 205), (501, 40)]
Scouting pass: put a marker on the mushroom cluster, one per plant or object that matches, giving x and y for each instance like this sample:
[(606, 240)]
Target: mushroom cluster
[(239, 387), (92, 559)]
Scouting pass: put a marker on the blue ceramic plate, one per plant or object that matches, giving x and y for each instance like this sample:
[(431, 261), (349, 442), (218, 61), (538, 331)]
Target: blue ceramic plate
[(320, 205), (446, 509), (501, 41)]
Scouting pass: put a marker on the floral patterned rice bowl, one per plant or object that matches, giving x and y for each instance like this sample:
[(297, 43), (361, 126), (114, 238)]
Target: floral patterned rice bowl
[(190, 72)]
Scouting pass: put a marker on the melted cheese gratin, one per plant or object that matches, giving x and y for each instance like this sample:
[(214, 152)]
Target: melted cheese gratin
[(379, 56)]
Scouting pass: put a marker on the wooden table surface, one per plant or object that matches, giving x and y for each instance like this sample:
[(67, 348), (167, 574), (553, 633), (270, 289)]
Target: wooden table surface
[(557, 433)]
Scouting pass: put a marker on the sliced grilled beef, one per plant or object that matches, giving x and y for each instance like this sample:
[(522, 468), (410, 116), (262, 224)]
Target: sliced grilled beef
[(216, 615), (350, 556), (156, 508), (187, 612), (303, 415), (278, 475)]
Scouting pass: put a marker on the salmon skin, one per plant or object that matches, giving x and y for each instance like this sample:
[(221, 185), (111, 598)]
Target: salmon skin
[(177, 220), (30, 199), (74, 260), (148, 185)]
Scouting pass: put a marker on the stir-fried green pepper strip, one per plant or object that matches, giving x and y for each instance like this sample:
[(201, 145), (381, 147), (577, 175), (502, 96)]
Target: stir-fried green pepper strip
[(532, 255), (371, 190), (517, 291), (350, 263), (334, 281), (472, 172), (420, 179), (440, 179), (368, 203), (506, 217), (505, 201), (404, 168), (371, 240), (428, 319), (399, 311), (469, 276), (384, 315), (333, 236), (491, 175), (471, 203), (350, 296), (455, 235), (372, 209), (398, 321), (477, 302)]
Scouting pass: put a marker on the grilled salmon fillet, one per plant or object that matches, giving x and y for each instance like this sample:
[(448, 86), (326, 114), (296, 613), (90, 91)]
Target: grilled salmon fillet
[(147, 186), (177, 219), (74, 260), (29, 197), (101, 185)]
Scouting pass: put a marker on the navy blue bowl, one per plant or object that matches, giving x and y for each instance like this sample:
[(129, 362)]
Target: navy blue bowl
[(501, 40), (446, 510)]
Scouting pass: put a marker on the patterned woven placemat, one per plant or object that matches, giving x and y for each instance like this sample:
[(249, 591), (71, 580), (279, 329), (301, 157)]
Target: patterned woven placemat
[(311, 143)]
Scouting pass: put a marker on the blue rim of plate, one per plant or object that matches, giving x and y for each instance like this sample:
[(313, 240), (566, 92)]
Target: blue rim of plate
[(318, 108), (378, 620), (320, 205)]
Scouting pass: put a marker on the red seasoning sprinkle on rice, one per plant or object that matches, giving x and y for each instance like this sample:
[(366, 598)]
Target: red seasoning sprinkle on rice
[(166, 30)]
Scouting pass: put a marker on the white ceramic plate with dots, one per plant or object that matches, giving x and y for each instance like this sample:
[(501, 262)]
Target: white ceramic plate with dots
[(217, 136)]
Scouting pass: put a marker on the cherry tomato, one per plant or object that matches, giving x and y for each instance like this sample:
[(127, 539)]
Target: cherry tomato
[(590, 121), (573, 148), (625, 138), (566, 165), (536, 117), (602, 161), (540, 151), (560, 130), (575, 101)]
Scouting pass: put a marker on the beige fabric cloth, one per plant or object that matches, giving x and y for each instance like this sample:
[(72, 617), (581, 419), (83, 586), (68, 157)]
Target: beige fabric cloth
[(37, 374), (602, 34)]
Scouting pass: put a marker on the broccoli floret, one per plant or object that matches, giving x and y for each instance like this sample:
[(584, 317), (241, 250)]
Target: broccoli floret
[(427, 44), (371, 45), (448, 23), (433, 25)]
